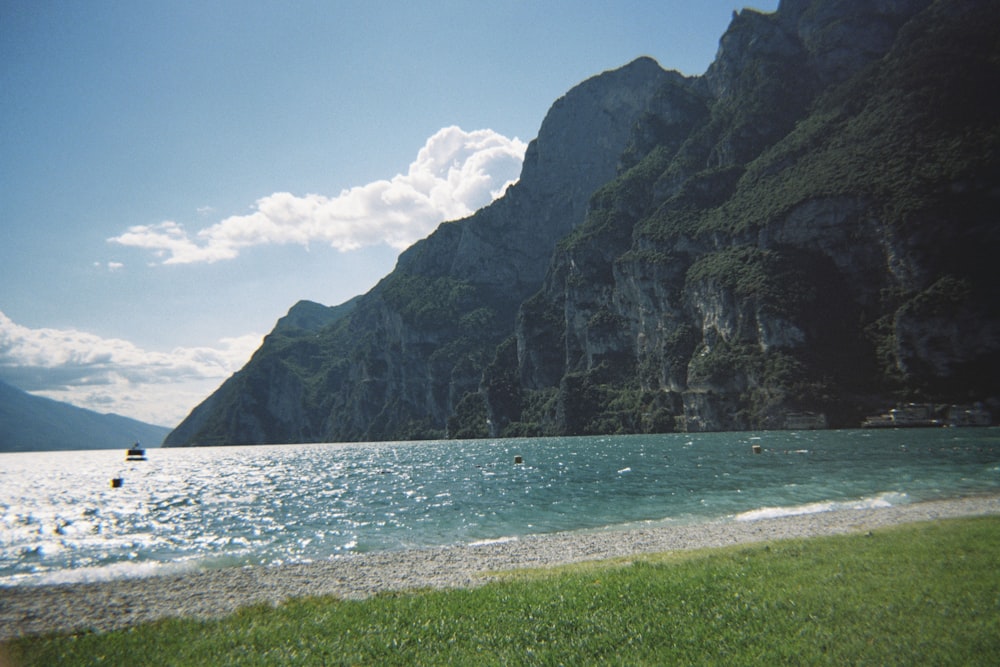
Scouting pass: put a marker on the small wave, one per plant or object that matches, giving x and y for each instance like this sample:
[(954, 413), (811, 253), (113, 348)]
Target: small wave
[(881, 500), (492, 541), (99, 573)]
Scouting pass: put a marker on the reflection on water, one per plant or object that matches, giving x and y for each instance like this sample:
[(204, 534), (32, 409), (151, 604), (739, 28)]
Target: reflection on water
[(216, 507)]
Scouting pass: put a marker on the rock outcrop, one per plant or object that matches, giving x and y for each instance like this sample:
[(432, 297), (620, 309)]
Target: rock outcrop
[(806, 229), (396, 362)]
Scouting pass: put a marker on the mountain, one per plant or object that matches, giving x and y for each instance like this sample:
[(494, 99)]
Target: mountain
[(31, 423), (806, 229)]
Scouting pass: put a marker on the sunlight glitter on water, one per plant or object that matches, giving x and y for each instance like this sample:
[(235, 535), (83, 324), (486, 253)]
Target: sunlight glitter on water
[(220, 507)]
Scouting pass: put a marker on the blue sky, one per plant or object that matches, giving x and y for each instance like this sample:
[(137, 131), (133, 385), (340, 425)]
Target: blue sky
[(175, 175)]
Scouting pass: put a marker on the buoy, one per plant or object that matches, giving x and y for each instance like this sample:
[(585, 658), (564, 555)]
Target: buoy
[(518, 459), (116, 482), (756, 449)]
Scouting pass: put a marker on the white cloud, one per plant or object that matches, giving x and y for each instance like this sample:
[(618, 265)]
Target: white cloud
[(114, 375), (455, 173), (110, 266)]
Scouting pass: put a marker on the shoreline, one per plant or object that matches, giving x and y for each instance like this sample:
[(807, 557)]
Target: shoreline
[(108, 605)]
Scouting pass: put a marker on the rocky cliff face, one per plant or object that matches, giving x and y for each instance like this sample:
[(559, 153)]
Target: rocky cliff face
[(811, 247), (807, 228), (398, 363)]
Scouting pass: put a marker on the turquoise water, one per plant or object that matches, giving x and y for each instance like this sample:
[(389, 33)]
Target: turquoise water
[(217, 507)]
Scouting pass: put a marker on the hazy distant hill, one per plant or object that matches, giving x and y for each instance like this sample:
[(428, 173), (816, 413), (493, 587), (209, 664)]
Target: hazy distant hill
[(808, 231), (32, 423)]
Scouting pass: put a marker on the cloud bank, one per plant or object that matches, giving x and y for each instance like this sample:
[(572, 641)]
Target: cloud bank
[(455, 173), (114, 375)]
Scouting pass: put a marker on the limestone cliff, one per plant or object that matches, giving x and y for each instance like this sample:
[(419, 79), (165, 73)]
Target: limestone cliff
[(819, 245), (397, 364), (807, 228)]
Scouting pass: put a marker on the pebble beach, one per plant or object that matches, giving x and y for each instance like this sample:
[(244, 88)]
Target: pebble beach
[(109, 605)]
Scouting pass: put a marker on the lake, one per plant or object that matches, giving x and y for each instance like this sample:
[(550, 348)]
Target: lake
[(197, 508)]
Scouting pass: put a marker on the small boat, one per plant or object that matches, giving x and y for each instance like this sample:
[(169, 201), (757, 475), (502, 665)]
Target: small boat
[(135, 453)]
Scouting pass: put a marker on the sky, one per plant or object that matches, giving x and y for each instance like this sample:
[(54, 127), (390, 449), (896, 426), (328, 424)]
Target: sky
[(174, 176)]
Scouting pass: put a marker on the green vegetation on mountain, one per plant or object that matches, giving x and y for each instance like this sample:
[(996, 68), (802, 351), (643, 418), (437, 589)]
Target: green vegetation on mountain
[(805, 267), (806, 229)]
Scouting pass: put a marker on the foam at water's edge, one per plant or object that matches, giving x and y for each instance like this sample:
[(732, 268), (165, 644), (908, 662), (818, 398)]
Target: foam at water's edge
[(498, 540), (111, 572), (881, 500)]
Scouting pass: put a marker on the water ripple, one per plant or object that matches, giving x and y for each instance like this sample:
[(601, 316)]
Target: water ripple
[(216, 507)]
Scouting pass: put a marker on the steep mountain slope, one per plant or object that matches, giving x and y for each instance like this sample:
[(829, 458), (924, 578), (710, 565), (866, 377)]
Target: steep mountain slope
[(396, 365), (33, 424), (808, 227), (823, 246)]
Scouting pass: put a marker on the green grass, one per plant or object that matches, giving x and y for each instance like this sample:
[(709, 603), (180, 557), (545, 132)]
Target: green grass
[(924, 594)]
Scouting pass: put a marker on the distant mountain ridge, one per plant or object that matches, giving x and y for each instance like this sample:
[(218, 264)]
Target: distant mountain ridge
[(32, 423), (806, 229)]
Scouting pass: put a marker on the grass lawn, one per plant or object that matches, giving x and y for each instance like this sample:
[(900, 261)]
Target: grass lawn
[(923, 594)]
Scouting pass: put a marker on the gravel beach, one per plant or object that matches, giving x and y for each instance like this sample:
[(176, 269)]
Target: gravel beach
[(28, 610)]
